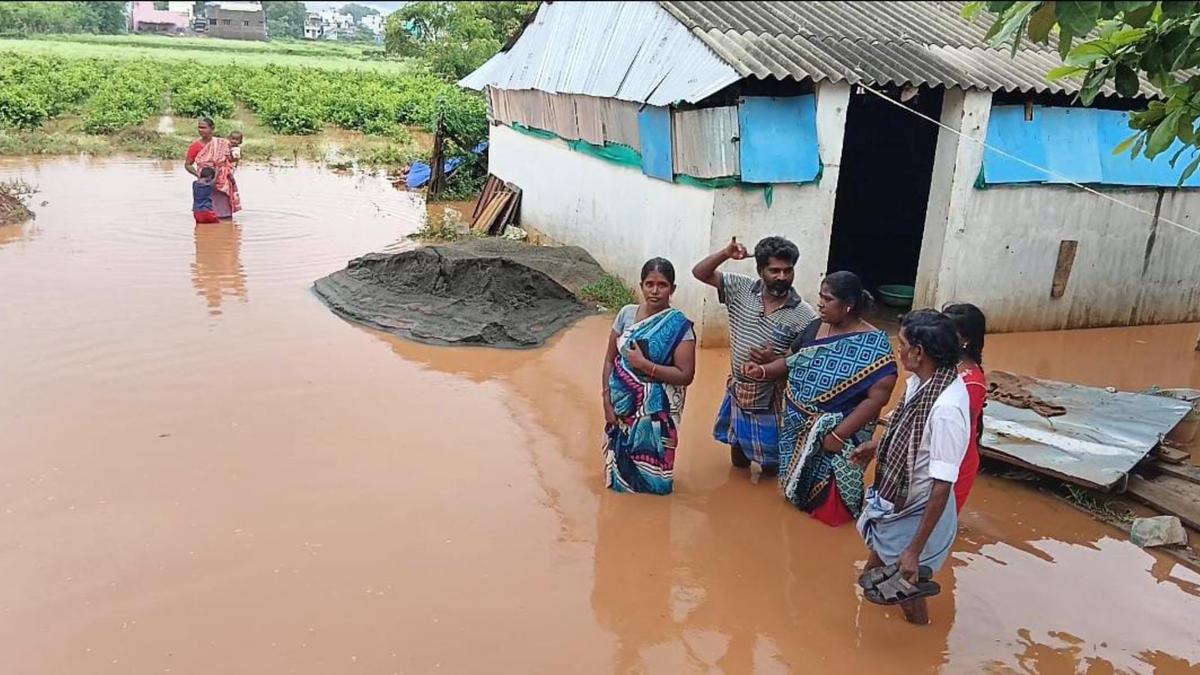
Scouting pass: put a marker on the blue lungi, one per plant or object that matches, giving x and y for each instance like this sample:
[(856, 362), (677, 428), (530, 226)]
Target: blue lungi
[(756, 434)]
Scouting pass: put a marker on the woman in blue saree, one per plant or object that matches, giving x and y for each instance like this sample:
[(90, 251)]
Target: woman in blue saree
[(840, 374), (651, 358)]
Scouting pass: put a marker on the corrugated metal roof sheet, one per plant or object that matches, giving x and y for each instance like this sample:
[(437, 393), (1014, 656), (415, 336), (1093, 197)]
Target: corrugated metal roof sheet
[(1096, 443), (632, 51), (920, 43), (636, 51)]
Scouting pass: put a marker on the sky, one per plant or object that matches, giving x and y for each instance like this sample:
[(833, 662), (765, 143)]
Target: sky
[(383, 7)]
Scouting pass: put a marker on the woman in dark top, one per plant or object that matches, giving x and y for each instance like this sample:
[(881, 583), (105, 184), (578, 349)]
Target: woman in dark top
[(840, 374)]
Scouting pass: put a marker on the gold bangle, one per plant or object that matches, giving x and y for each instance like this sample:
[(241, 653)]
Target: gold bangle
[(839, 438)]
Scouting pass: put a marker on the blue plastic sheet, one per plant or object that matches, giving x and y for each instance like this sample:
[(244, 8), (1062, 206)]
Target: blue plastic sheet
[(1072, 150), (654, 131), (1009, 132), (1075, 144), (779, 139), (420, 172), (1125, 170)]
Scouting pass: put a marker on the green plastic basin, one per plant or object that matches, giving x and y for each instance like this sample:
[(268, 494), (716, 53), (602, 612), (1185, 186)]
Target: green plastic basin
[(896, 295)]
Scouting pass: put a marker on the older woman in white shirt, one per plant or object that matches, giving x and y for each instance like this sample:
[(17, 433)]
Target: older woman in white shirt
[(909, 520)]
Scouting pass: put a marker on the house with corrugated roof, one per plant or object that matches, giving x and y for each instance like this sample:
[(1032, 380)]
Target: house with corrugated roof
[(885, 138)]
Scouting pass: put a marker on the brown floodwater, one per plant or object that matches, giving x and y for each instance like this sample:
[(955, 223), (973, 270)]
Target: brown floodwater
[(202, 470)]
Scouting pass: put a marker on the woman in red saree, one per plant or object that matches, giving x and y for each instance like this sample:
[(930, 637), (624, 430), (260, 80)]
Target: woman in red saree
[(213, 151)]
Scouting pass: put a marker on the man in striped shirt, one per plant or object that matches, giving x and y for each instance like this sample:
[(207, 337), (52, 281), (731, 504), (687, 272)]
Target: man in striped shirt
[(765, 316)]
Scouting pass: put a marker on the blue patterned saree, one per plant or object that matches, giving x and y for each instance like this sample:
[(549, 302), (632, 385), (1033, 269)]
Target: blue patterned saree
[(639, 453), (827, 379)]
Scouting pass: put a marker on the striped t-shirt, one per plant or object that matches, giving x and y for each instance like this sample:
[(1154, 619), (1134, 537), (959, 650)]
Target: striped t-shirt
[(750, 327)]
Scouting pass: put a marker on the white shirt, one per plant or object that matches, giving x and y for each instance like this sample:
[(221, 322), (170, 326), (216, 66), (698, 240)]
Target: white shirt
[(947, 434)]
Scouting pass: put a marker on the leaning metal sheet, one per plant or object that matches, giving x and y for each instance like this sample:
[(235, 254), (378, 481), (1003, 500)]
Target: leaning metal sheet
[(1099, 440)]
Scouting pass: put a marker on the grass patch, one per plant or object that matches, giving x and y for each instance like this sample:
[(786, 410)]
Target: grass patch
[(449, 227), (384, 155), (65, 135), (610, 293)]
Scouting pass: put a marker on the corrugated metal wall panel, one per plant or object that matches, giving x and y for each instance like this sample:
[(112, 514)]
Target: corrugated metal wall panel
[(498, 102), (621, 123), (706, 142), (589, 113), (565, 124), (595, 120), (536, 110)]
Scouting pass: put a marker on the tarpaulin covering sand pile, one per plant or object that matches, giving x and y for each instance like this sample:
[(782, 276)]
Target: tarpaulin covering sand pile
[(488, 292)]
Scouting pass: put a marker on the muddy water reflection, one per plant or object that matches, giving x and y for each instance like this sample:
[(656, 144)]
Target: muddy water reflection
[(16, 232), (724, 575), (270, 489), (218, 270)]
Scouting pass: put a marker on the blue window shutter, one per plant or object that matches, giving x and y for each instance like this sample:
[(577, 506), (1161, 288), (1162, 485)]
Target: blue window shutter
[(779, 139), (654, 128)]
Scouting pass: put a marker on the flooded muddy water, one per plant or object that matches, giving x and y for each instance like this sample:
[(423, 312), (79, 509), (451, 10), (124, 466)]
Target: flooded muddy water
[(203, 470)]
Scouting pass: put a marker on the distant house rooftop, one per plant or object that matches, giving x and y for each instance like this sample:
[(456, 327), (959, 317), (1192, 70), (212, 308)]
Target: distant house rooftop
[(239, 6)]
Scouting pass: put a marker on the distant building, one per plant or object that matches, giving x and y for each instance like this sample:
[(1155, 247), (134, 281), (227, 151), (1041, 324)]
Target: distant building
[(373, 23), (187, 7), (335, 25), (313, 26), (236, 20), (144, 18)]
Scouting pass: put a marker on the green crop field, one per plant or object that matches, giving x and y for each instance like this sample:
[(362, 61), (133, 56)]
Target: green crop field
[(70, 93), (322, 55)]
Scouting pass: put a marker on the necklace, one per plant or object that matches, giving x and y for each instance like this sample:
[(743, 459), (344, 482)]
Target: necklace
[(857, 325)]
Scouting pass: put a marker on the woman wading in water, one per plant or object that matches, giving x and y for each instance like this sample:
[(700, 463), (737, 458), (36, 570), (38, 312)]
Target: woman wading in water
[(214, 151), (971, 325), (840, 375), (650, 361)]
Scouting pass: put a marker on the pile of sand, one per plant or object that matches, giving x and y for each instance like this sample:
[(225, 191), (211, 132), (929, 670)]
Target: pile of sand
[(488, 292)]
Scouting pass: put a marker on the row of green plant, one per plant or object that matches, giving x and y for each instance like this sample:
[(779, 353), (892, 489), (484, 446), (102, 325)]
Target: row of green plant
[(115, 95)]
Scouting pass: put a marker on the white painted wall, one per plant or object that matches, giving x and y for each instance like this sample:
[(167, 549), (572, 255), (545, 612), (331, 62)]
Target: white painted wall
[(998, 247), (621, 216), (801, 213)]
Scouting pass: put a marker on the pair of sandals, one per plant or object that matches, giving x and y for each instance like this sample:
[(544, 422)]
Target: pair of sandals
[(887, 586)]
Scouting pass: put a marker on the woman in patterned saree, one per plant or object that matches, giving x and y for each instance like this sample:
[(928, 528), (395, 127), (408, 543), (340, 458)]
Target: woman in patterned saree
[(214, 151), (650, 361), (840, 374)]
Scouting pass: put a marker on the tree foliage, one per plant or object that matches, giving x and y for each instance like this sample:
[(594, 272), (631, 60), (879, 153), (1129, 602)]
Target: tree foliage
[(454, 38), (285, 18), (23, 18), (1119, 43)]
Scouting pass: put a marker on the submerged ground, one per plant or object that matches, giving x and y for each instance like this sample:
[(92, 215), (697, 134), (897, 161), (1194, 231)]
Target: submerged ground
[(204, 470)]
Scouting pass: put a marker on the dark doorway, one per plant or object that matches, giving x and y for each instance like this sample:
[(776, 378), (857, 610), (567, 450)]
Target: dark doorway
[(883, 189)]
